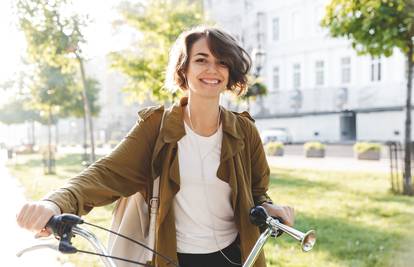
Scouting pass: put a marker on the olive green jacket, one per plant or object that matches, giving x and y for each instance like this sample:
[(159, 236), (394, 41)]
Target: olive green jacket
[(149, 151)]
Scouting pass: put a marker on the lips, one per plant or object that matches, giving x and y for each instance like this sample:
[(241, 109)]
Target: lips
[(210, 81)]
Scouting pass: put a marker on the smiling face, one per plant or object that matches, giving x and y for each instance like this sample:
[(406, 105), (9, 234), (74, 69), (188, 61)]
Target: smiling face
[(206, 75)]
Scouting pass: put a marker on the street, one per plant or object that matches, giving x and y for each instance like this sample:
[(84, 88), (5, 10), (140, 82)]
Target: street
[(329, 163)]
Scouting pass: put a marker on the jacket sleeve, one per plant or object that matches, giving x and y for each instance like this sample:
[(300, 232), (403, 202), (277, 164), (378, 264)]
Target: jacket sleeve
[(260, 170), (123, 172)]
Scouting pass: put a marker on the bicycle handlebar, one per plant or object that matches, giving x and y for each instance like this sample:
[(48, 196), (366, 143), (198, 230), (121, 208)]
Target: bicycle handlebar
[(65, 226)]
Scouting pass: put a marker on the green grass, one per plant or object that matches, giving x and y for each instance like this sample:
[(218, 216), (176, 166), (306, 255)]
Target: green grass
[(357, 220)]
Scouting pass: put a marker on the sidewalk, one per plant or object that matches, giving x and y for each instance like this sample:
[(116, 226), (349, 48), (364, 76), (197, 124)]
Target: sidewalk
[(329, 163), (13, 237)]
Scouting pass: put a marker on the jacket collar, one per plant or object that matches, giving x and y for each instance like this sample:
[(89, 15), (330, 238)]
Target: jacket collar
[(173, 129)]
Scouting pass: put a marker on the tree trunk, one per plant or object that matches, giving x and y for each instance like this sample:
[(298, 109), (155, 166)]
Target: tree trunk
[(87, 108), (50, 164), (85, 141), (57, 133), (408, 189)]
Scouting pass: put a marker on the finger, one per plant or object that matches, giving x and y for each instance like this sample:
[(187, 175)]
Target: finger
[(31, 218), (42, 233), (26, 216), (20, 215), (41, 222)]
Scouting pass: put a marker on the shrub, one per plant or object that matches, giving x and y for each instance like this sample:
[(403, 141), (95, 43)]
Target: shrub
[(361, 147), (313, 145), (272, 148)]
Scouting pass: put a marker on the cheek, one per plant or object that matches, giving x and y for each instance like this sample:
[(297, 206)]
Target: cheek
[(226, 76)]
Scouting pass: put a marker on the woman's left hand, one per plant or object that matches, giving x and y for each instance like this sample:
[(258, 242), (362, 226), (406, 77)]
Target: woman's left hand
[(286, 213)]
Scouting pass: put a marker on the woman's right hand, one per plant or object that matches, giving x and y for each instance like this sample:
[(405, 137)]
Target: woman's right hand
[(33, 216)]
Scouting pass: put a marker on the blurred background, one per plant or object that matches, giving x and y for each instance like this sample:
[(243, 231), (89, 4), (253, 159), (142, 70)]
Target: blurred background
[(330, 92)]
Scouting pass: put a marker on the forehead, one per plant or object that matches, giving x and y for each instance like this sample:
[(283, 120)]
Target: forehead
[(200, 47)]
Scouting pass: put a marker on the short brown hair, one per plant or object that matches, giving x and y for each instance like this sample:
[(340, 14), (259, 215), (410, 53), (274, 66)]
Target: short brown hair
[(222, 45)]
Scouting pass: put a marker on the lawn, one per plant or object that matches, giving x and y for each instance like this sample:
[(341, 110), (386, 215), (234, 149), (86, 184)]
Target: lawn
[(357, 220)]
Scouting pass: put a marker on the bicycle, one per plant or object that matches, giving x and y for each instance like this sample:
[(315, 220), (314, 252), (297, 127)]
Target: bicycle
[(65, 226)]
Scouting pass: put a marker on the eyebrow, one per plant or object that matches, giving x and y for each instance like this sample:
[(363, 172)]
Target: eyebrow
[(201, 54)]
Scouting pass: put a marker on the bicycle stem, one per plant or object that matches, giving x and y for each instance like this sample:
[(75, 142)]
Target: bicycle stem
[(251, 259)]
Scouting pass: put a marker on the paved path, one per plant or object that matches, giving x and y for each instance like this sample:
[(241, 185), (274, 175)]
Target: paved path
[(329, 163), (14, 238)]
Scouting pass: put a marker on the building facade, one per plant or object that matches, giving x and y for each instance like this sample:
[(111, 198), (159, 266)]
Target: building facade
[(319, 88)]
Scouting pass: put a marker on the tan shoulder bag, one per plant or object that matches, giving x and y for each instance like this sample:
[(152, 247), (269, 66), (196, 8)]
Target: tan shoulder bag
[(130, 218)]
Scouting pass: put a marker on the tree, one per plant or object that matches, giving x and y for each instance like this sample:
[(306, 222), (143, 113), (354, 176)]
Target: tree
[(76, 107), (159, 23), (18, 111), (55, 36), (255, 89), (377, 27), (50, 91)]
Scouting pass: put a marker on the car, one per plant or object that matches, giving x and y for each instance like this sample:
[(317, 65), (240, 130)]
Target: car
[(276, 135)]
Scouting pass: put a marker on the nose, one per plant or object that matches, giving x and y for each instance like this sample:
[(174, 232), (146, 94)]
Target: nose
[(212, 67)]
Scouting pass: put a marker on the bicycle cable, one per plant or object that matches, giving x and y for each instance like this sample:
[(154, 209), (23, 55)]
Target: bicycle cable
[(169, 260), (113, 257)]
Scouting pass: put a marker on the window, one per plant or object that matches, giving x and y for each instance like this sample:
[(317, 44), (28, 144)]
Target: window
[(319, 72), (375, 69), (346, 70), (296, 76), (261, 27), (275, 29), (276, 78)]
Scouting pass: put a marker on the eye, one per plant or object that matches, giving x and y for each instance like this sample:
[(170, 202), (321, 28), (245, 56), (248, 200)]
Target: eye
[(222, 63), (201, 60)]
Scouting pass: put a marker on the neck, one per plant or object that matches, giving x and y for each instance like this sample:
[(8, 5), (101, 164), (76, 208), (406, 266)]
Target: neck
[(203, 115)]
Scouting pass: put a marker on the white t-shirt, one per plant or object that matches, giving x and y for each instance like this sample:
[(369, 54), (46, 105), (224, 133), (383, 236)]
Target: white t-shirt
[(204, 217)]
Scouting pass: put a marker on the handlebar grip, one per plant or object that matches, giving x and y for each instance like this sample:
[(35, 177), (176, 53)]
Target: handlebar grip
[(52, 223), (258, 216), (60, 224)]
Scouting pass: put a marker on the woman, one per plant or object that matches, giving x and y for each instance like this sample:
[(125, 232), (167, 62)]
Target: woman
[(211, 162)]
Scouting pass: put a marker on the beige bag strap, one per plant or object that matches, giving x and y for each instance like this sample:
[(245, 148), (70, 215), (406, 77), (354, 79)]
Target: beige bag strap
[(153, 205)]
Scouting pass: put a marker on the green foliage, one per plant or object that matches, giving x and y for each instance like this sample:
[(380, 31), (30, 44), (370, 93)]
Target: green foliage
[(75, 104), (375, 27), (255, 89), (313, 145), (51, 85), (361, 147), (52, 32), (159, 22), (54, 37), (271, 148), (18, 111)]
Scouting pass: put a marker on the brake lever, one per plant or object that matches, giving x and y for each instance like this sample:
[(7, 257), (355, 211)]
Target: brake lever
[(37, 246)]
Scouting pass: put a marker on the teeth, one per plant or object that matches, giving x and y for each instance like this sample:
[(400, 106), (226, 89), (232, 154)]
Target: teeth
[(210, 81)]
